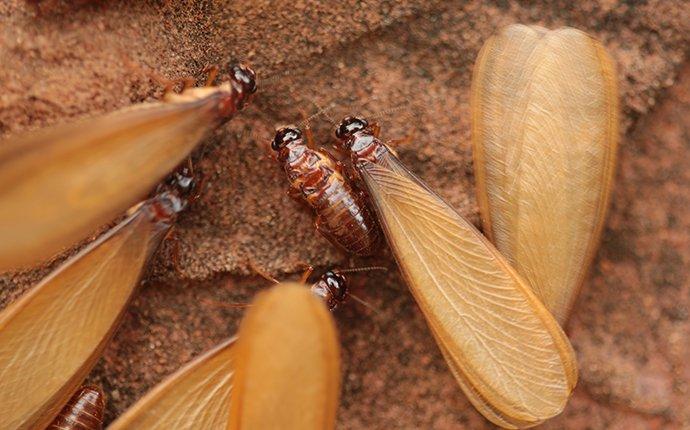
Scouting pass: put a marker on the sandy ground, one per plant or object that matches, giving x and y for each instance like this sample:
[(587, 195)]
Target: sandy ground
[(408, 65)]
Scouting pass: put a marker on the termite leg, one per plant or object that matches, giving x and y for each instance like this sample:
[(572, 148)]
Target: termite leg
[(171, 235), (392, 144), (375, 129), (187, 82), (307, 273), (334, 158), (170, 84), (219, 304), (307, 129), (256, 269), (294, 193), (212, 71)]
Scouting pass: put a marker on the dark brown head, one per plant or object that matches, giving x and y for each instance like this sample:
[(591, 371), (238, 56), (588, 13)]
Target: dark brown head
[(332, 288), (244, 77), (243, 83), (348, 127), (284, 138), (180, 189)]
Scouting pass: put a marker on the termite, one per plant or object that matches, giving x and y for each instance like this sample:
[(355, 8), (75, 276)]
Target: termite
[(197, 395), (59, 184), (84, 411), (74, 311), (506, 351), (343, 216), (332, 286)]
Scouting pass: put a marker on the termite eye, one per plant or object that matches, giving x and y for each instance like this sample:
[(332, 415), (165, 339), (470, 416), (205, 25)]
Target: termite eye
[(284, 136), (336, 282), (350, 125), (246, 77)]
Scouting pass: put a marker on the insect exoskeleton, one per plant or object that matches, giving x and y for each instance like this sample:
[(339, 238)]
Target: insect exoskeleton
[(343, 216), (59, 184), (74, 311), (506, 351), (332, 288), (84, 411), (545, 133)]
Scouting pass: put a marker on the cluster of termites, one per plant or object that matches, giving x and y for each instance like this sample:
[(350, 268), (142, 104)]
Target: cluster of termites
[(491, 319)]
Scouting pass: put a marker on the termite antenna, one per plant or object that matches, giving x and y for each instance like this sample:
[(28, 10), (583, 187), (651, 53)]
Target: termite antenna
[(256, 269), (226, 305), (361, 269), (365, 304)]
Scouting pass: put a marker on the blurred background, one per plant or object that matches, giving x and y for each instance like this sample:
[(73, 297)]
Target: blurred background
[(407, 64)]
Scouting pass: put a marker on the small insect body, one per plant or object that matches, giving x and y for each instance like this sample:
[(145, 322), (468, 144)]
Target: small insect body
[(59, 184), (84, 411), (343, 216), (505, 349)]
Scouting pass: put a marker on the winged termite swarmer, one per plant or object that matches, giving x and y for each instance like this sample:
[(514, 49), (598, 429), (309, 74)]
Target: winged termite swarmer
[(286, 336), (59, 184), (51, 337), (507, 352)]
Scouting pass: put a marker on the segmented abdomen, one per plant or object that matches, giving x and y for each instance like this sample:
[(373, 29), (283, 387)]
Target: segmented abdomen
[(344, 215), (84, 411)]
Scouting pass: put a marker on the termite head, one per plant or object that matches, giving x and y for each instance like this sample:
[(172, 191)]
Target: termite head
[(285, 138), (348, 127), (243, 83), (184, 183), (331, 288), (181, 188), (358, 137), (244, 77)]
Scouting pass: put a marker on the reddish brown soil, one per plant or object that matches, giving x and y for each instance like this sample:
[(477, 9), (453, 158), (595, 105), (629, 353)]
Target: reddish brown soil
[(408, 65)]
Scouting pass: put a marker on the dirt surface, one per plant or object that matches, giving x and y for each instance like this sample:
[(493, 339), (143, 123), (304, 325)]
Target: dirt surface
[(408, 65)]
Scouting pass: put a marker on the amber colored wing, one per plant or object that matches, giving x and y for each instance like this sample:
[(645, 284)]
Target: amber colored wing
[(288, 363), (507, 352), (545, 132), (59, 185), (51, 337), (196, 397)]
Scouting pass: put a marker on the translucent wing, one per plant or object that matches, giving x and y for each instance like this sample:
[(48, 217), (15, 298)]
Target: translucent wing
[(288, 363), (545, 130), (195, 397), (58, 185), (507, 352), (52, 336)]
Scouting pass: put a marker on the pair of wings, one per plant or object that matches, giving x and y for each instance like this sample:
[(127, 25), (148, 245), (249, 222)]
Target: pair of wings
[(60, 184), (544, 133), (53, 335), (505, 349), (282, 372)]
